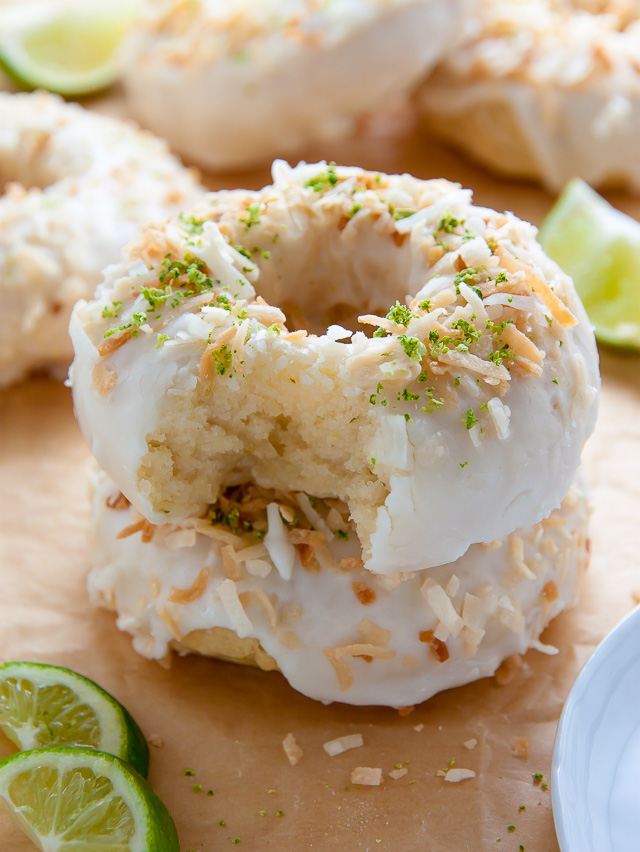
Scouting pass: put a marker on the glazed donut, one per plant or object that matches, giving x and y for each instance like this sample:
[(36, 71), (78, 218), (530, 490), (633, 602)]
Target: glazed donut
[(231, 83), (336, 632), (459, 421), (545, 90), (78, 186)]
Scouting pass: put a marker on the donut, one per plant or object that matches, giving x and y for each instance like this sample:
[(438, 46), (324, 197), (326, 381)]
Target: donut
[(461, 419), (231, 83), (544, 90), (77, 187), (334, 630)]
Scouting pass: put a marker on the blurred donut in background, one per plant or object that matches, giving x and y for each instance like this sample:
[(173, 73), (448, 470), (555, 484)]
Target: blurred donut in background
[(232, 83), (77, 187), (544, 90)]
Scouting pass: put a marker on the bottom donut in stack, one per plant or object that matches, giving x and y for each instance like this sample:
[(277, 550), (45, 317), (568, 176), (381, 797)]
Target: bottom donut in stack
[(275, 579)]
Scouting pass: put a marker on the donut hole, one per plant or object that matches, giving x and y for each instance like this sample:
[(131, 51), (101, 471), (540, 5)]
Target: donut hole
[(325, 272)]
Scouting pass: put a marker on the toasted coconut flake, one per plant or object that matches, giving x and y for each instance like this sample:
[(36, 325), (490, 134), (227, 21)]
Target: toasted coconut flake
[(471, 744), (103, 379), (216, 532), (472, 610), (267, 315), (521, 344), (398, 773), (471, 640), (352, 563), (114, 342), (452, 586), (207, 362), (549, 650), (508, 669), (520, 746), (343, 672), (292, 749), (442, 607), (296, 336), (438, 648), (342, 744), (367, 776), (307, 557), (557, 308), (493, 374), (501, 416), (372, 632), (176, 539), (240, 622), (380, 322), (256, 551), (168, 619), (550, 591), (142, 526), (117, 502), (312, 516), (456, 775), (195, 590), (312, 538), (289, 639), (326, 559), (281, 552), (263, 599), (230, 565), (258, 567), (364, 594)]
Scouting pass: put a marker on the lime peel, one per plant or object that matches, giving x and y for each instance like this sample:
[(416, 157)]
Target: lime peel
[(73, 49), (74, 798), (599, 246), (44, 705)]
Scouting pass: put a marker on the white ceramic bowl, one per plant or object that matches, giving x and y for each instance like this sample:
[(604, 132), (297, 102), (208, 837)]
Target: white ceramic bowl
[(596, 759)]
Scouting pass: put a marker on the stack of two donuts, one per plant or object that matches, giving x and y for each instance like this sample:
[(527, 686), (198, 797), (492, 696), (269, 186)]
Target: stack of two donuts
[(380, 514)]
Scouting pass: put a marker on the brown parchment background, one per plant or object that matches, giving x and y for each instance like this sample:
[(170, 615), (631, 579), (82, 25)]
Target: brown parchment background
[(226, 722)]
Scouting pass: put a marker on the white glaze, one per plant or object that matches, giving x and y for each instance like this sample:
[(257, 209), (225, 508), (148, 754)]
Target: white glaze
[(135, 579)]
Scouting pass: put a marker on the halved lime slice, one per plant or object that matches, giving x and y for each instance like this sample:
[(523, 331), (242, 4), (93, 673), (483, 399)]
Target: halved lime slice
[(71, 49), (600, 248), (81, 800), (43, 705)]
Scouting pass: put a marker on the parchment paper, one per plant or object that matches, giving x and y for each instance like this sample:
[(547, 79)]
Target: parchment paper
[(226, 722)]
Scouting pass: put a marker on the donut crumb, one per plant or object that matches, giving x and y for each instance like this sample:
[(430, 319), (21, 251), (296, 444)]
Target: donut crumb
[(292, 749), (342, 744), (367, 775)]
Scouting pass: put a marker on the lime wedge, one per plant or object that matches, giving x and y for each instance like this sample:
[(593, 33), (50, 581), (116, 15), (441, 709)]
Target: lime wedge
[(43, 705), (71, 49), (81, 800), (600, 248)]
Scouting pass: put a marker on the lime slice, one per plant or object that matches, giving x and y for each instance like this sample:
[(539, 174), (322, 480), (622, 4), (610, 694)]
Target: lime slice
[(81, 800), (71, 49), (43, 705), (600, 248)]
